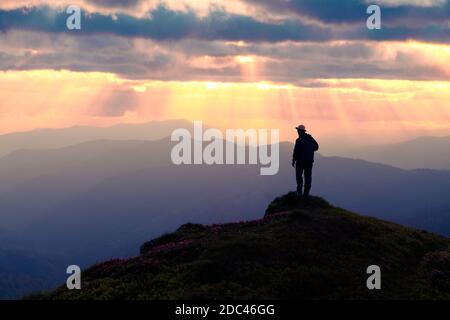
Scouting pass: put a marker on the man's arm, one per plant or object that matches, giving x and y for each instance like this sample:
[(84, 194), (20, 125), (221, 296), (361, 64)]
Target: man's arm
[(315, 144), (294, 154)]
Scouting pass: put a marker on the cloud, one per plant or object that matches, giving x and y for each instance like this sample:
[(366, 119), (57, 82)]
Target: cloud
[(109, 54), (163, 23), (191, 60), (412, 12), (181, 45), (115, 3)]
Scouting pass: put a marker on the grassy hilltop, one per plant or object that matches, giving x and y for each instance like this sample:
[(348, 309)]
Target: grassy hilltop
[(301, 249)]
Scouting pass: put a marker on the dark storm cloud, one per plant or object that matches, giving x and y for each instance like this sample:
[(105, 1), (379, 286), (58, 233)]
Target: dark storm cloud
[(325, 10), (166, 24), (354, 11)]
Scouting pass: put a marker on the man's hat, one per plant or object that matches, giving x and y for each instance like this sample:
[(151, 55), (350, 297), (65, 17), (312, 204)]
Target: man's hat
[(301, 127)]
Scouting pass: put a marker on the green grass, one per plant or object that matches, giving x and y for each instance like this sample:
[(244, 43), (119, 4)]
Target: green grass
[(301, 249)]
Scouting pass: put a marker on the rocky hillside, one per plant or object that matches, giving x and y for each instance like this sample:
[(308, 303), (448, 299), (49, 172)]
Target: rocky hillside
[(301, 249)]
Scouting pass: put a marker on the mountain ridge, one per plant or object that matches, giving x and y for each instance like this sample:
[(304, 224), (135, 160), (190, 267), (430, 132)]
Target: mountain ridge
[(428, 152), (51, 138)]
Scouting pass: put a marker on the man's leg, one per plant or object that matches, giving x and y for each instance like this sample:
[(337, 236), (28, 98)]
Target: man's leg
[(299, 177), (308, 178)]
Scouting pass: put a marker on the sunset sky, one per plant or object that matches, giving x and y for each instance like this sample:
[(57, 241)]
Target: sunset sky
[(230, 63)]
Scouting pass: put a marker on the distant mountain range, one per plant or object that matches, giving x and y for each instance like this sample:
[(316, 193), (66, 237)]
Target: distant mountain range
[(58, 138), (99, 199), (423, 152), (420, 153)]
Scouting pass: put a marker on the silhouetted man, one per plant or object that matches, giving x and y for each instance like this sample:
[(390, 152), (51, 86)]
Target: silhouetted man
[(303, 159)]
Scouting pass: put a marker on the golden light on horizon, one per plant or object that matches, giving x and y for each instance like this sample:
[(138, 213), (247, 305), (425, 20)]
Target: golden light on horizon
[(357, 108)]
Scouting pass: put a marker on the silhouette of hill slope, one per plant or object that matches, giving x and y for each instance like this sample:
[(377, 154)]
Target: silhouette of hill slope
[(301, 249)]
